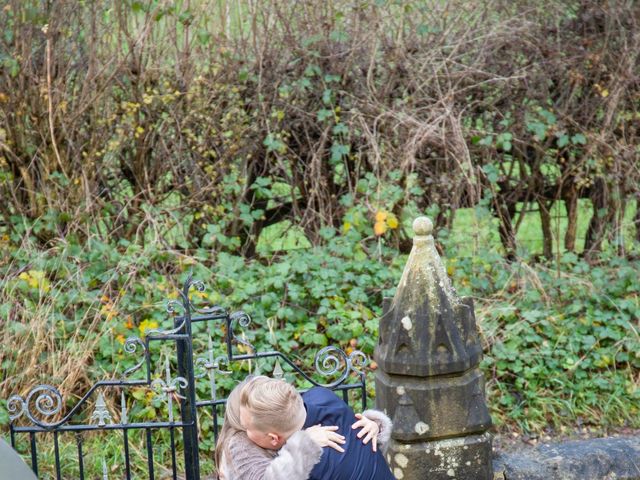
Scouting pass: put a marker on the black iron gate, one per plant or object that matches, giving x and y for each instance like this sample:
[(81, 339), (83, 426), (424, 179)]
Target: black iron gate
[(29, 414)]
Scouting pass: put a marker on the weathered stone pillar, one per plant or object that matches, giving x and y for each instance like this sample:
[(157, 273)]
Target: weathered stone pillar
[(428, 380)]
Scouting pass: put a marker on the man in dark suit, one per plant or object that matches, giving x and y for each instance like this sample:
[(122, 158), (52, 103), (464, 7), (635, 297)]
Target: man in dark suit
[(360, 461)]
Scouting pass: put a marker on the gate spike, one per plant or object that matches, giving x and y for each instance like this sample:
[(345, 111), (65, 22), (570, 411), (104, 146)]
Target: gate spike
[(277, 370), (101, 412)]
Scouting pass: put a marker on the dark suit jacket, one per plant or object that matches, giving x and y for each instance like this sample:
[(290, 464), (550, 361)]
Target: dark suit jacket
[(359, 461)]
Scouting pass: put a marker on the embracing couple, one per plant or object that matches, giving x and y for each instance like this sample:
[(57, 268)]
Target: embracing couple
[(271, 432)]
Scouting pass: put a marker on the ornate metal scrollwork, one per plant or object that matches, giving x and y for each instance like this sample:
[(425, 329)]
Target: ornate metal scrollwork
[(15, 407), (277, 372), (208, 365), (329, 360), (130, 346), (200, 287), (48, 402), (243, 320), (171, 308), (162, 333), (169, 388), (358, 360)]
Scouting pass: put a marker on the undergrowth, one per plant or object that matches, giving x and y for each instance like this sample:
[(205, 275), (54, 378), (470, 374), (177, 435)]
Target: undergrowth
[(561, 339)]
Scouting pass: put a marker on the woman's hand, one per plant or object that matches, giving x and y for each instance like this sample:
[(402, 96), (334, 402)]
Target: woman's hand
[(369, 428), (326, 437)]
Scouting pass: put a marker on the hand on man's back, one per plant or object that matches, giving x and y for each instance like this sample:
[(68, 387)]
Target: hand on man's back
[(326, 437), (370, 430)]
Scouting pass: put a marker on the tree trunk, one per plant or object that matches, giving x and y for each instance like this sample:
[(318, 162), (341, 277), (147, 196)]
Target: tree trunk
[(505, 210), (636, 219), (597, 224), (570, 198), (547, 234)]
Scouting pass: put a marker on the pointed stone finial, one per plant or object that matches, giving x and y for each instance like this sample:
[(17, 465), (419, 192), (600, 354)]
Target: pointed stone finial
[(428, 378), (427, 329), (422, 226)]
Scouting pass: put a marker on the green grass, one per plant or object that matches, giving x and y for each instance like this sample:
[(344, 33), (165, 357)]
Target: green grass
[(473, 232)]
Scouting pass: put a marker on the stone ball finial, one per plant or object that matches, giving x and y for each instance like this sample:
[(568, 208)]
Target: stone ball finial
[(422, 226)]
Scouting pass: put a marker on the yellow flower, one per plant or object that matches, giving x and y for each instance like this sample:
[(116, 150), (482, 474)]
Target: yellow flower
[(381, 216), (147, 325), (379, 228), (36, 279)]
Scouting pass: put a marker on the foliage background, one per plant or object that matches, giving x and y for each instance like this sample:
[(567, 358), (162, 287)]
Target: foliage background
[(281, 149)]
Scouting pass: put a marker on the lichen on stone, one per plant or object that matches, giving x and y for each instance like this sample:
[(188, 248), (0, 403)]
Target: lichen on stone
[(421, 428), (401, 460), (424, 274)]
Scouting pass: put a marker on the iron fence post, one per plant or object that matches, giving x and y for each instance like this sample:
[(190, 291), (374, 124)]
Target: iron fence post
[(184, 354)]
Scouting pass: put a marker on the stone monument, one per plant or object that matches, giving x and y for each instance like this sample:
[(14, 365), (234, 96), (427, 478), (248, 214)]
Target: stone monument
[(428, 380)]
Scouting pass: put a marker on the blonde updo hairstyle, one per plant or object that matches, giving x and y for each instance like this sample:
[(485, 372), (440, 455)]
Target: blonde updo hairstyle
[(274, 405)]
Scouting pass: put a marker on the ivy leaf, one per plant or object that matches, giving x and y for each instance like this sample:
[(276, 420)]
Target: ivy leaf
[(137, 6), (331, 78), (486, 141), (538, 129), (274, 144), (340, 129), (324, 114), (492, 172), (563, 141), (326, 96), (579, 138), (339, 36), (339, 150)]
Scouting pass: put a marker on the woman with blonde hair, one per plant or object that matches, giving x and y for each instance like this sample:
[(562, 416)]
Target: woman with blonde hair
[(239, 457), (262, 436)]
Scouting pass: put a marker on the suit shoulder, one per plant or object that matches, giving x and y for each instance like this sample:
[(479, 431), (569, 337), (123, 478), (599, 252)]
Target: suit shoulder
[(321, 394)]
